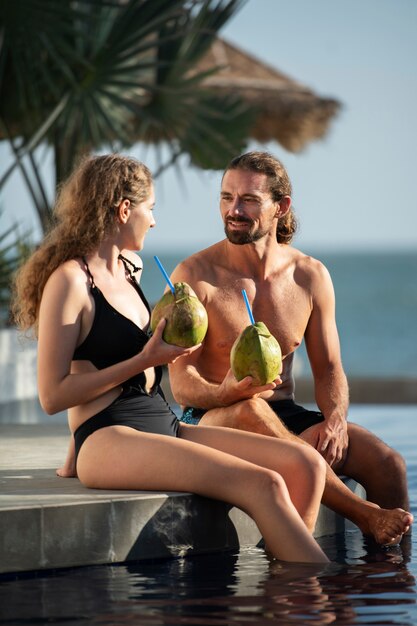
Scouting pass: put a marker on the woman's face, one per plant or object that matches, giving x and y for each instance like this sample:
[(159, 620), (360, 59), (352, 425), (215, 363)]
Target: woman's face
[(140, 221)]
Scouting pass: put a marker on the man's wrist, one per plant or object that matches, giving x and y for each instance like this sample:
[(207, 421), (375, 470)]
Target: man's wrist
[(222, 398), (335, 418)]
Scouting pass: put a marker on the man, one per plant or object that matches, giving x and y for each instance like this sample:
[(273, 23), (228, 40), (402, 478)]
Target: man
[(293, 295)]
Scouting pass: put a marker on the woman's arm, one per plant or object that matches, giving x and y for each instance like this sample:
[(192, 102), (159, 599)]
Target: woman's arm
[(65, 305)]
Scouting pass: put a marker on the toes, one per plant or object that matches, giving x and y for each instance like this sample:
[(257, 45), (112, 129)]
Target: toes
[(393, 542)]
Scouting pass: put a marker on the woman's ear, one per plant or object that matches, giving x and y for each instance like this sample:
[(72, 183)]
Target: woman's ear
[(283, 207), (123, 211)]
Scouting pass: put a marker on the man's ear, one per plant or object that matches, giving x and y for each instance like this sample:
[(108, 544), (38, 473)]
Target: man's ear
[(283, 206), (123, 211)]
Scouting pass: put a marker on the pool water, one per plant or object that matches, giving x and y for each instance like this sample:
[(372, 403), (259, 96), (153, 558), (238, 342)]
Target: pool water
[(364, 584)]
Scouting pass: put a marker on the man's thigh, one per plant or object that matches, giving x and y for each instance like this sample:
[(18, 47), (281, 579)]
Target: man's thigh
[(252, 415)]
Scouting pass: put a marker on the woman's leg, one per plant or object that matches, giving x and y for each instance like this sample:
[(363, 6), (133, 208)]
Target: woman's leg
[(68, 469), (303, 469), (118, 457)]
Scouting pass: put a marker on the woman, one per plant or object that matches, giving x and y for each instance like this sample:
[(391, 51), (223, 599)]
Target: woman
[(79, 293)]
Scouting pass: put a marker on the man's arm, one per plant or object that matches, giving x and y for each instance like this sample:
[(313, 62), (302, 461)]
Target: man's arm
[(189, 387), (331, 387)]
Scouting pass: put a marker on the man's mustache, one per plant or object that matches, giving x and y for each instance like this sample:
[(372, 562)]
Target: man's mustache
[(244, 220)]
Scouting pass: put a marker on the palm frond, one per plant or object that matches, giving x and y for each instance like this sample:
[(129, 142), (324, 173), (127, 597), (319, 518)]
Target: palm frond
[(86, 74)]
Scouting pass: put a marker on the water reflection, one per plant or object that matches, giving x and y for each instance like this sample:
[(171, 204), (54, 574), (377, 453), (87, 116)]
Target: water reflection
[(368, 585)]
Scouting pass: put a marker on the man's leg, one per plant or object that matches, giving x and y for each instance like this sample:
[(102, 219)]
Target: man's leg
[(255, 415), (379, 468)]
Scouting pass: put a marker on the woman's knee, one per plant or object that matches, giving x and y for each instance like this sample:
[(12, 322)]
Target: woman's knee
[(270, 484), (312, 465)]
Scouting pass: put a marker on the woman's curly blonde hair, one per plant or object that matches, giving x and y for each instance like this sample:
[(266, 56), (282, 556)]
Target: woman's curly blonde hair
[(84, 215)]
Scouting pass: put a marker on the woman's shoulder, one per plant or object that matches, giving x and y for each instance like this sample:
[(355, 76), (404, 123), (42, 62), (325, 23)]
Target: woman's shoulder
[(72, 269), (68, 275)]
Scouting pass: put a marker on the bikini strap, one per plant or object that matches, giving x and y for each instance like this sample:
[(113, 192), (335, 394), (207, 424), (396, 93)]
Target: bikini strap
[(130, 267), (87, 269)]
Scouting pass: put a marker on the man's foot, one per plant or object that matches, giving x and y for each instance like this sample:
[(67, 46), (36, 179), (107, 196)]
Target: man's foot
[(386, 526)]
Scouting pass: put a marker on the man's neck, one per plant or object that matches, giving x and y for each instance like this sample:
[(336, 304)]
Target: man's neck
[(260, 258)]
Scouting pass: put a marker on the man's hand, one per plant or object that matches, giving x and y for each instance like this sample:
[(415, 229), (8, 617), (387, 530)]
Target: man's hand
[(330, 438), (232, 390)]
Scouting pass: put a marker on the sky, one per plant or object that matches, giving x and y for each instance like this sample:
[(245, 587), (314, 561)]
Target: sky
[(354, 189)]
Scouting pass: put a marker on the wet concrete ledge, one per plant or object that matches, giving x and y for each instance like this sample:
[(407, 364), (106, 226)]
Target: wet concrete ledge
[(48, 522)]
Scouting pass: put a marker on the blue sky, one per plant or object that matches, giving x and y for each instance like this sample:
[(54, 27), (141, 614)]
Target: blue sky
[(357, 188)]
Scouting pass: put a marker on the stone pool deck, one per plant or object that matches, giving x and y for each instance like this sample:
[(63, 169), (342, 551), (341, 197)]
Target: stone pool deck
[(48, 522)]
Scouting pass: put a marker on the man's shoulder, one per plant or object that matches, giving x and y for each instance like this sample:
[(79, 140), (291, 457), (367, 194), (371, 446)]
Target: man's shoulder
[(306, 261), (311, 270), (199, 264), (201, 257)]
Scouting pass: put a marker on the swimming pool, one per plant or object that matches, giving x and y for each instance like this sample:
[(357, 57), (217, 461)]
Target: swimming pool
[(364, 584)]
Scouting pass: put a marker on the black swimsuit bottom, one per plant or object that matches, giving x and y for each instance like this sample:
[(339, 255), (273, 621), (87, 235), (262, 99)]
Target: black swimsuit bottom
[(148, 413)]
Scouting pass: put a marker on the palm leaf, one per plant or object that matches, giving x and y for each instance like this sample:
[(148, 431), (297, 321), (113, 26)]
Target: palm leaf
[(88, 74), (14, 249)]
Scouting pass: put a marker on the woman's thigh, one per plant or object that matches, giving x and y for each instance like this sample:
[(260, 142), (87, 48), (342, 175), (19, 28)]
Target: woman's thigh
[(288, 458), (119, 457)]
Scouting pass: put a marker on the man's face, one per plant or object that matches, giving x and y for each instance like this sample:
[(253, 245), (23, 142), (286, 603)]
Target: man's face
[(246, 206)]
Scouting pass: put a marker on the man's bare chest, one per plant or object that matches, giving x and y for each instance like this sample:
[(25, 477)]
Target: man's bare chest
[(283, 306)]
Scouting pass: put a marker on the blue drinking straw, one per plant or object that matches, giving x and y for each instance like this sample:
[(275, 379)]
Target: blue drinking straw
[(245, 297), (171, 286)]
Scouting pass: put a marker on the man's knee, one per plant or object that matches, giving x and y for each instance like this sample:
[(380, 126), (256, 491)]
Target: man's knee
[(249, 413), (244, 415), (253, 415), (394, 464), (382, 456), (256, 415)]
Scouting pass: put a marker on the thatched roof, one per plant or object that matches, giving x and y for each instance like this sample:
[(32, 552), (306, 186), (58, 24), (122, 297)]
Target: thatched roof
[(289, 112)]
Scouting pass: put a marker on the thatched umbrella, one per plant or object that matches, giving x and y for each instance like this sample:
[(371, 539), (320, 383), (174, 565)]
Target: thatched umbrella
[(288, 112)]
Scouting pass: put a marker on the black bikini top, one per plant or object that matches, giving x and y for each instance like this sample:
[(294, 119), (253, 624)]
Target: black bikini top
[(114, 337)]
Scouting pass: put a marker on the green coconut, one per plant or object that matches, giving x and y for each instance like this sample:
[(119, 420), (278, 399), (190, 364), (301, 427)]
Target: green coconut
[(256, 353), (186, 317)]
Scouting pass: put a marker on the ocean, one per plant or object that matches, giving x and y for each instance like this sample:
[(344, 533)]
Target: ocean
[(376, 307)]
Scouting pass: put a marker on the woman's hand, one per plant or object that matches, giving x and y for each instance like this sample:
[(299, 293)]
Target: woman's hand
[(159, 352)]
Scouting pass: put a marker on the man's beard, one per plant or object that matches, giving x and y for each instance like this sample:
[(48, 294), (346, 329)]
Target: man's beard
[(241, 237)]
